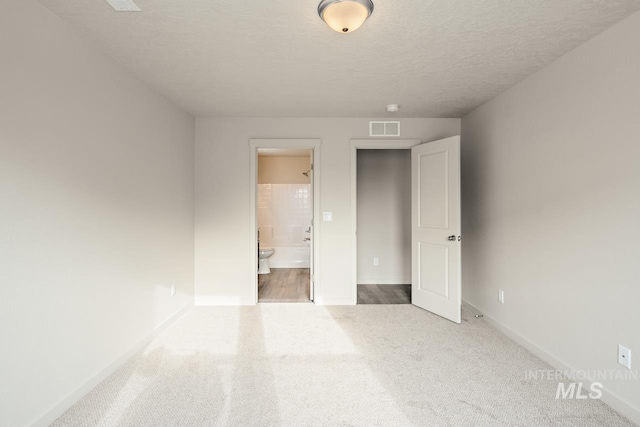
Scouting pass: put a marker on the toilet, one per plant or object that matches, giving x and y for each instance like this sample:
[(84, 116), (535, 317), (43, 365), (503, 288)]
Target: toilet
[(263, 255)]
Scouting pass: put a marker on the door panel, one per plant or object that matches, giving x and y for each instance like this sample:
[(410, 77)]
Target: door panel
[(435, 217), (434, 260), (433, 190)]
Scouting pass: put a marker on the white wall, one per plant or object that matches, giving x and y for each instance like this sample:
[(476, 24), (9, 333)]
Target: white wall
[(223, 231), (384, 216), (551, 206), (96, 194)]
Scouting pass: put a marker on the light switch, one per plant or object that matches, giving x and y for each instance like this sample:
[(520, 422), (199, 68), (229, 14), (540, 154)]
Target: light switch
[(327, 216)]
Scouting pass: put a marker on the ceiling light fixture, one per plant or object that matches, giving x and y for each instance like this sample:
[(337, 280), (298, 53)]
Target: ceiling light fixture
[(345, 16), (393, 108)]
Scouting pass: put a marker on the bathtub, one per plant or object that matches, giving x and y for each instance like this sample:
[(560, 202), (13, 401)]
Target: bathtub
[(290, 256)]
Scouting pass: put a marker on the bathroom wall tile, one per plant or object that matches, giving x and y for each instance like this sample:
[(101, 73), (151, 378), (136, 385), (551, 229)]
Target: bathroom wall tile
[(286, 209)]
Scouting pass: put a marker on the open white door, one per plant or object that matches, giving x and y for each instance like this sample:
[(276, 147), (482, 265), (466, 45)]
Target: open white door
[(435, 227)]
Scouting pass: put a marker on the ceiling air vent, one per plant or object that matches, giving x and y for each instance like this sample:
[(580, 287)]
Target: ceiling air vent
[(384, 128), (124, 5)]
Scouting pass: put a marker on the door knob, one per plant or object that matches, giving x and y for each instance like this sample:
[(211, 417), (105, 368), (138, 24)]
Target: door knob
[(451, 238)]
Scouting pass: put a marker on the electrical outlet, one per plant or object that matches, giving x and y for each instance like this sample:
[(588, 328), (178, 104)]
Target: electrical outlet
[(173, 290), (624, 356), (501, 296), (376, 261)]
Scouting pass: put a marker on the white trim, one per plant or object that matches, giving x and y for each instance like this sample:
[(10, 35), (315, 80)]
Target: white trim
[(313, 144), (384, 281), (617, 403), (61, 407), (216, 301), (333, 301), (366, 144)]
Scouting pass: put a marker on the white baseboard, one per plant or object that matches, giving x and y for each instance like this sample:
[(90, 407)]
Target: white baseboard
[(333, 301), (237, 301), (384, 280), (620, 405), (216, 300), (54, 413)]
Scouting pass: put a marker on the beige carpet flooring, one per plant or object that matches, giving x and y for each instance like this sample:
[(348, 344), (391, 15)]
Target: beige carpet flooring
[(307, 365)]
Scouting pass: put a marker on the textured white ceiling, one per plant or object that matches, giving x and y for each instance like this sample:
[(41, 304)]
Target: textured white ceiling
[(259, 58)]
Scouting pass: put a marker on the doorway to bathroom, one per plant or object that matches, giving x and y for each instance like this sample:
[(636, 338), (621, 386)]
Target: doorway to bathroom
[(284, 203)]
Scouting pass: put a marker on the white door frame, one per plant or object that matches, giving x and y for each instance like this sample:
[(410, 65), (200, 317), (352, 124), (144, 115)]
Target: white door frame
[(312, 144), (366, 144)]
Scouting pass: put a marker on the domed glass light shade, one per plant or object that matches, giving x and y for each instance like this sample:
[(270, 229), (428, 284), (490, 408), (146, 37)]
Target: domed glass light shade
[(345, 16)]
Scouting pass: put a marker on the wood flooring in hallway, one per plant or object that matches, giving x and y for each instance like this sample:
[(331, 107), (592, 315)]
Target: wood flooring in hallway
[(384, 294), (284, 285), (292, 285)]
